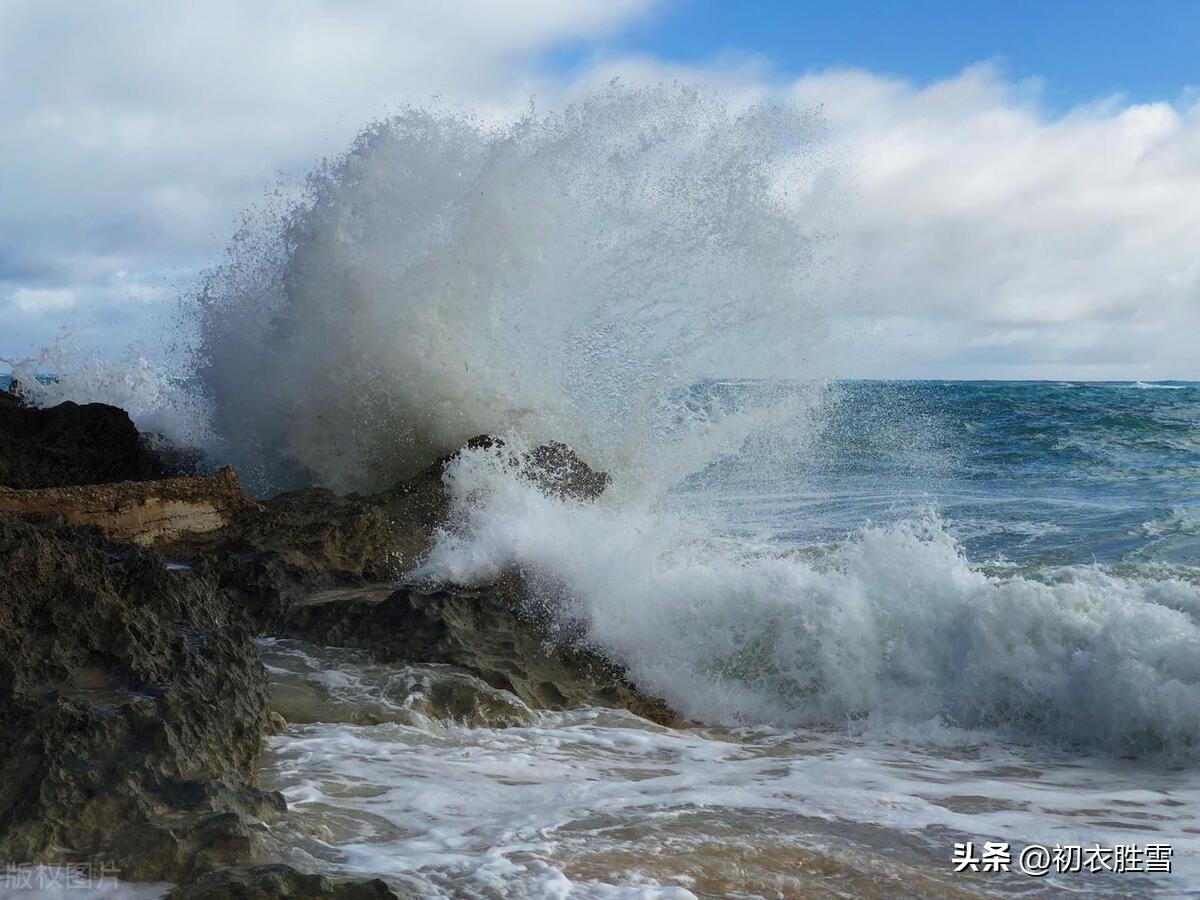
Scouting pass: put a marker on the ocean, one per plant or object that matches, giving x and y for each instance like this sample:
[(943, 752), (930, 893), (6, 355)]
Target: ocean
[(956, 612)]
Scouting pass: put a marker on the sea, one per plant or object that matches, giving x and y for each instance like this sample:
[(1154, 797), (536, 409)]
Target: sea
[(955, 615), (982, 630)]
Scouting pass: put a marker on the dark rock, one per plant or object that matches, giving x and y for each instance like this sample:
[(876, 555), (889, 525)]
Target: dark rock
[(132, 709), (493, 632), (274, 882), (73, 444), (299, 543)]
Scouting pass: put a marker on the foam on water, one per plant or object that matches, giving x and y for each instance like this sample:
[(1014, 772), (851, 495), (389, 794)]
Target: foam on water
[(894, 623), (599, 803)]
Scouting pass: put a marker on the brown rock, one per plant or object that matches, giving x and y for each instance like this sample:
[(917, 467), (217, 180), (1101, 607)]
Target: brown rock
[(162, 514), (132, 709), (494, 633)]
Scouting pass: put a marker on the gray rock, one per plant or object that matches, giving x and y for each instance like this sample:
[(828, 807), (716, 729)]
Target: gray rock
[(274, 882), (132, 709)]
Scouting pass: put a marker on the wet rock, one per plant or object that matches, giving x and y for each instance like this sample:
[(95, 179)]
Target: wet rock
[(74, 444), (299, 543), (167, 514), (492, 632), (366, 692), (132, 709), (274, 882)]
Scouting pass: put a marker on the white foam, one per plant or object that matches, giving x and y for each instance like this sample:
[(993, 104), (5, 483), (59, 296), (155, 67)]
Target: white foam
[(895, 623)]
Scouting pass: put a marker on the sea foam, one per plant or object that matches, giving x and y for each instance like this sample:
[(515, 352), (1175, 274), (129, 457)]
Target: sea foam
[(894, 624)]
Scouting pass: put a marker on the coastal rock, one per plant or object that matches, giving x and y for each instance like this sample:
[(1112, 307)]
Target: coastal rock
[(374, 693), (275, 882), (70, 443), (493, 633), (285, 549), (162, 514), (132, 709)]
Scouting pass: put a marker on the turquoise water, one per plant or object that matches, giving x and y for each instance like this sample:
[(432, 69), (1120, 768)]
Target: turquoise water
[(1025, 472)]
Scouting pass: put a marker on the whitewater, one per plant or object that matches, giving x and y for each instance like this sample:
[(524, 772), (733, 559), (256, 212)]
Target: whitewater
[(899, 615)]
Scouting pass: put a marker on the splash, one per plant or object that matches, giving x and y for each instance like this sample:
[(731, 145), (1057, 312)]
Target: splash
[(159, 399), (894, 624), (566, 276)]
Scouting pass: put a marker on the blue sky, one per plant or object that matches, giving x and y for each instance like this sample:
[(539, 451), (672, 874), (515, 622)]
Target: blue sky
[(1081, 49), (1014, 187)]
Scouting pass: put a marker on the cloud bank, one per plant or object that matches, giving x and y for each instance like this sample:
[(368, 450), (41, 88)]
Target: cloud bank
[(974, 233)]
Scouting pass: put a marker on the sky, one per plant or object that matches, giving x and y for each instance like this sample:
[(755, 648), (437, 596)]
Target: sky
[(1020, 181)]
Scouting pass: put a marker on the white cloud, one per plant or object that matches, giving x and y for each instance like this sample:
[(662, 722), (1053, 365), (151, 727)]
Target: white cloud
[(38, 301), (135, 133), (1079, 233)]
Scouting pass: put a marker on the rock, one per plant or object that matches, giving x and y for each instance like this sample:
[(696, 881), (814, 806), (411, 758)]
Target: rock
[(163, 514), (373, 693), (286, 549), (73, 444), (274, 882), (495, 632), (492, 632), (132, 709)]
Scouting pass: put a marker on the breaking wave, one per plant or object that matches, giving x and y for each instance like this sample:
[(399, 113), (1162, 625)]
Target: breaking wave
[(894, 625), (565, 275)]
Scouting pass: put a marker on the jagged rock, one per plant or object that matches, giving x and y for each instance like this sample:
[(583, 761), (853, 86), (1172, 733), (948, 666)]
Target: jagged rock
[(275, 882), (132, 709), (74, 444), (163, 514), (493, 633), (298, 543), (286, 549)]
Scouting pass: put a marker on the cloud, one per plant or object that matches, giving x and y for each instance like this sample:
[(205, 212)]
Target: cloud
[(975, 234), (971, 206), (37, 301), (136, 133)]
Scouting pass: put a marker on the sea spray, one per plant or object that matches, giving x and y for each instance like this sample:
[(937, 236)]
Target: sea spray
[(894, 625), (565, 275)]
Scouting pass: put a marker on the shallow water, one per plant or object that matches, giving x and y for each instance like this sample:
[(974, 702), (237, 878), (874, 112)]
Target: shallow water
[(597, 803)]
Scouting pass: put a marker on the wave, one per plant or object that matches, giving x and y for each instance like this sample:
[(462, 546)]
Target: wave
[(565, 275), (895, 624)]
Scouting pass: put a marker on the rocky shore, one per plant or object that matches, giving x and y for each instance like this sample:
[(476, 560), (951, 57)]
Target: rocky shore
[(134, 704)]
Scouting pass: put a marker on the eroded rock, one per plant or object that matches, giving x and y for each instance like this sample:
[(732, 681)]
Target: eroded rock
[(493, 632), (171, 514), (275, 882), (132, 709), (287, 548)]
